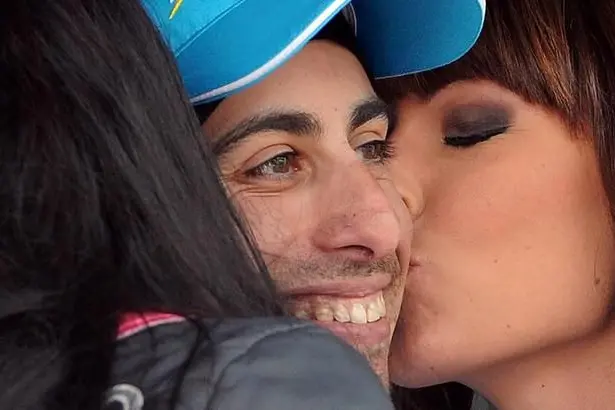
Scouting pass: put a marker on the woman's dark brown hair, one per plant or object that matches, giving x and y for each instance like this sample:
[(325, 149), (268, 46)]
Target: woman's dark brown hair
[(559, 54)]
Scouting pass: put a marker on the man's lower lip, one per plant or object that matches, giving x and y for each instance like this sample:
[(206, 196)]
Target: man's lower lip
[(368, 334)]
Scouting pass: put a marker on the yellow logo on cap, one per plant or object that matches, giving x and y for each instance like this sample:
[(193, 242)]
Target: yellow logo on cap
[(178, 4)]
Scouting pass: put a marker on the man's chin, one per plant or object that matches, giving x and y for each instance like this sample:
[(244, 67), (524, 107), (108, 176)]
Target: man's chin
[(356, 311), (378, 360), (372, 340)]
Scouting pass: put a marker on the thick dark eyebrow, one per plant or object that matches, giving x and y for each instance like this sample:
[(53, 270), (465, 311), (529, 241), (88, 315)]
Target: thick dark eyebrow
[(368, 110), (297, 123)]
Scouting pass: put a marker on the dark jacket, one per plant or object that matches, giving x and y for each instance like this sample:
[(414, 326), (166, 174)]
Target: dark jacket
[(257, 364)]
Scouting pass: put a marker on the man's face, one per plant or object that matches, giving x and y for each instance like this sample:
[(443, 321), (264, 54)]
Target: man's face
[(303, 154)]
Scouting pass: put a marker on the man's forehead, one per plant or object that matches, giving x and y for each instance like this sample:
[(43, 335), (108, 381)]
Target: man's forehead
[(320, 75)]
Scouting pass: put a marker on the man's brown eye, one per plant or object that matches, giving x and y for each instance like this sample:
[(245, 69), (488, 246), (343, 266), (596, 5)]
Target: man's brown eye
[(280, 166), (375, 151)]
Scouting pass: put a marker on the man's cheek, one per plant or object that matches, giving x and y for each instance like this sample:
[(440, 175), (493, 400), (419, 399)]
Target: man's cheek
[(271, 225)]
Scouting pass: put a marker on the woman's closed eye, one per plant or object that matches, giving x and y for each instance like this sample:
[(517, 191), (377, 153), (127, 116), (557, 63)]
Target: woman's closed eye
[(465, 141), (468, 125)]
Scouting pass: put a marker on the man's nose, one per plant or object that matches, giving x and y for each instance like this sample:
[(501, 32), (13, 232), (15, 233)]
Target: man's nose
[(356, 218)]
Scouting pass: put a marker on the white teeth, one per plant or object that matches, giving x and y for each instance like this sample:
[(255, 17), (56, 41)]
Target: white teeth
[(340, 313), (382, 307), (324, 314), (359, 311), (358, 314), (373, 312), (302, 314)]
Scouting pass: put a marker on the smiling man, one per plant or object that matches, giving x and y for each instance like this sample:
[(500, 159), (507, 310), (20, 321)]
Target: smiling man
[(302, 139), (303, 153)]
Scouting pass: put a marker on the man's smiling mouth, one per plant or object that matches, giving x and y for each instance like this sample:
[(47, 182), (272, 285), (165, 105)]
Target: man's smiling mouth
[(353, 309), (367, 309)]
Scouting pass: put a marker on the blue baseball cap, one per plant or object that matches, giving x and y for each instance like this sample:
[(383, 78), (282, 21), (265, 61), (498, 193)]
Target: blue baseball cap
[(222, 46)]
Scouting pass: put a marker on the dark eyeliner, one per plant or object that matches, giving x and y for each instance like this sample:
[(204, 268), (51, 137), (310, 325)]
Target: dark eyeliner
[(461, 141)]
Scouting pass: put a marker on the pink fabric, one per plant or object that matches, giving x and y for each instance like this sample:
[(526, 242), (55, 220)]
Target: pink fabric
[(133, 323)]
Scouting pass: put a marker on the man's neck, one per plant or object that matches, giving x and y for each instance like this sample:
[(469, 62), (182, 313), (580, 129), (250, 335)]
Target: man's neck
[(573, 377)]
